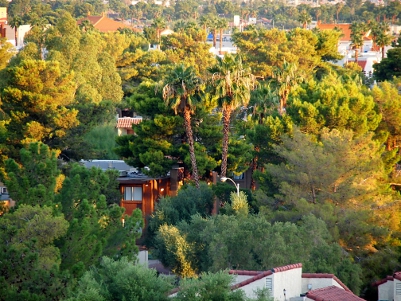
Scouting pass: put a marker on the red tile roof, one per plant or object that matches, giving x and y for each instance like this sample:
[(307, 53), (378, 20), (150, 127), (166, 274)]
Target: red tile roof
[(362, 64), (127, 122), (321, 275), (104, 24), (260, 274), (381, 281), (397, 275), (332, 293), (345, 28)]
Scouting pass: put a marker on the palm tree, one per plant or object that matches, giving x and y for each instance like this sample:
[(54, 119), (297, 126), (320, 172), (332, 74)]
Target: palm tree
[(179, 92), (339, 7), (213, 25), (86, 26), (318, 13), (263, 100), (180, 26), (305, 18), (357, 33), (15, 23), (221, 25), (382, 40), (380, 36), (204, 22), (286, 78), (159, 24), (232, 83)]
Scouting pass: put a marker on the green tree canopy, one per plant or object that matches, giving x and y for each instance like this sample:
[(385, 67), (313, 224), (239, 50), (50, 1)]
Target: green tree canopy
[(119, 280), (30, 268), (38, 99)]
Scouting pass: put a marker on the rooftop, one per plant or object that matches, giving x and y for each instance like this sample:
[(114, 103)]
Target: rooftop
[(332, 293), (256, 275), (127, 122), (323, 275)]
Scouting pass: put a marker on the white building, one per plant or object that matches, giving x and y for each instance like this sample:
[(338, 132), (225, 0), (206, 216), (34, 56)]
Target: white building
[(389, 288), (289, 283)]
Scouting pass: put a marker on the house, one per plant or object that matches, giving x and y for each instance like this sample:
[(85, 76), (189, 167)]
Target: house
[(124, 125), (368, 54), (5, 200), (137, 189), (103, 23), (289, 283), (345, 39), (11, 34), (389, 288)]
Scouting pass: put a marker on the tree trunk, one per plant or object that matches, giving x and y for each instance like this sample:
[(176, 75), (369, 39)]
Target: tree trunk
[(254, 168), (226, 133), (16, 36), (214, 38), (356, 55), (221, 39), (383, 52), (190, 138)]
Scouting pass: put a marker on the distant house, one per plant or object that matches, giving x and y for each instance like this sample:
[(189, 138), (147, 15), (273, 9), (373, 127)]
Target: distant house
[(5, 200), (137, 189), (289, 283), (124, 125), (368, 54), (389, 288), (345, 39), (103, 23)]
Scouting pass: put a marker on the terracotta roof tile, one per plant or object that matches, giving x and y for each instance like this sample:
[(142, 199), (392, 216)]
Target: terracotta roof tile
[(104, 24), (332, 293), (322, 275), (127, 122), (397, 275), (362, 64), (345, 28), (250, 280), (381, 281)]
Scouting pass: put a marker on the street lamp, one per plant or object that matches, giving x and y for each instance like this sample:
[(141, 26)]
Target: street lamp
[(223, 179)]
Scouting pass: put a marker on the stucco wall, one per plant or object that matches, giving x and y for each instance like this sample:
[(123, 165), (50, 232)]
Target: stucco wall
[(386, 290), (240, 278), (290, 280), (318, 283), (397, 283), (250, 288)]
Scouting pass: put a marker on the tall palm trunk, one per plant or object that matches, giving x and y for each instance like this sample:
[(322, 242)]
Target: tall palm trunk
[(190, 138), (16, 35), (158, 38), (214, 37), (226, 133), (221, 39), (254, 168)]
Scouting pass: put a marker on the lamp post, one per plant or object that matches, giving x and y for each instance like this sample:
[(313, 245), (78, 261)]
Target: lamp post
[(223, 179)]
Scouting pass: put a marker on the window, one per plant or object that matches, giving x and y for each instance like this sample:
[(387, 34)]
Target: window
[(133, 194), (239, 177), (4, 190), (398, 289), (269, 284)]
